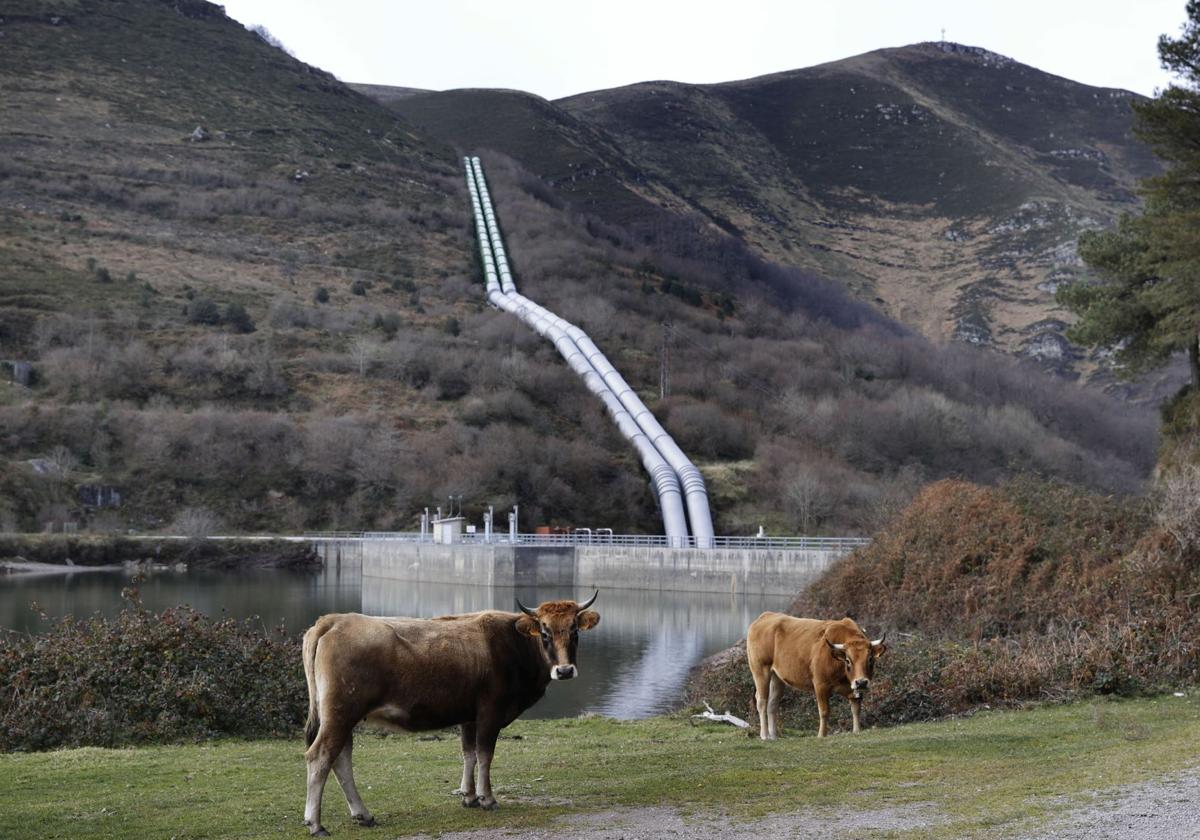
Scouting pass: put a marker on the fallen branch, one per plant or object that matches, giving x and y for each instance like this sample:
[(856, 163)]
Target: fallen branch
[(725, 718)]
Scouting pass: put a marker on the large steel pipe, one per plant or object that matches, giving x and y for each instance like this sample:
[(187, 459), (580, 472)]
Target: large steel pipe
[(501, 292), (694, 489)]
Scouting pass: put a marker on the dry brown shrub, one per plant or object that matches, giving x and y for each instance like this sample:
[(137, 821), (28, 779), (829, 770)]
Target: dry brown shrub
[(999, 597), (978, 561)]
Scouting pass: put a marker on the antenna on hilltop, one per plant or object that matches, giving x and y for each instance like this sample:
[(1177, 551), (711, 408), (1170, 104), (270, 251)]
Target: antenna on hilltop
[(943, 34)]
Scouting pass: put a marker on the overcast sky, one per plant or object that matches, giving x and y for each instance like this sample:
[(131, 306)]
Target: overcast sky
[(558, 47)]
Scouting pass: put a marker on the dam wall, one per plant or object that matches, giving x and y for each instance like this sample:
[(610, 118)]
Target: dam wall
[(742, 570)]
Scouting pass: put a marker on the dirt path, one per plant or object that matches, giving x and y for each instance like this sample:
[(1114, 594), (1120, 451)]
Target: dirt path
[(1164, 809), (653, 823)]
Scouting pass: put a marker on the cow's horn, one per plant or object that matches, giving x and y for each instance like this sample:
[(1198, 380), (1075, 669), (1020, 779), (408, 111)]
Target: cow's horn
[(526, 609), (589, 601), (836, 646), (879, 641)]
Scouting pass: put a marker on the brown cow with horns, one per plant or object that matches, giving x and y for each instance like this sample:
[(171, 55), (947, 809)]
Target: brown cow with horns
[(806, 653), (479, 671)]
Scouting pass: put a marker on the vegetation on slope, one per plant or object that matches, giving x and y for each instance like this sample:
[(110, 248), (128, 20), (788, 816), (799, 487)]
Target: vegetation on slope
[(282, 326), (996, 596), (947, 182)]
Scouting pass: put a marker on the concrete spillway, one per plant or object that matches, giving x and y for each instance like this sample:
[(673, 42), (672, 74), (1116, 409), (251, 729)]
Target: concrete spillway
[(675, 478)]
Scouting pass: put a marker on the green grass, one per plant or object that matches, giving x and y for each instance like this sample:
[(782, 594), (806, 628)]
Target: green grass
[(989, 773)]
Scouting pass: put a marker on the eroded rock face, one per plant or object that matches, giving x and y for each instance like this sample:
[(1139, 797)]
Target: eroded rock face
[(1048, 346)]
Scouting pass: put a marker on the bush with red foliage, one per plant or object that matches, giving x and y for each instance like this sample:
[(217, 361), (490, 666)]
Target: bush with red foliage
[(998, 597)]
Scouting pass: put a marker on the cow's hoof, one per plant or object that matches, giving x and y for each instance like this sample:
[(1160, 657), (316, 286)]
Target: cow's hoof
[(365, 820), (317, 830), (470, 801), (488, 804)]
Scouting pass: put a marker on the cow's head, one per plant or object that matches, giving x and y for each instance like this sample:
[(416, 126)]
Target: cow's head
[(857, 656), (557, 624)]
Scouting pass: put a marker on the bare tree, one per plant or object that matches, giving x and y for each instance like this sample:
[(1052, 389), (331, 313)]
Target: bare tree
[(195, 523), (808, 499), (61, 462), (1178, 510), (362, 352)]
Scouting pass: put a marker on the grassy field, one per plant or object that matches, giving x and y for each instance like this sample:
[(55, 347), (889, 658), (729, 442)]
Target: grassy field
[(986, 774)]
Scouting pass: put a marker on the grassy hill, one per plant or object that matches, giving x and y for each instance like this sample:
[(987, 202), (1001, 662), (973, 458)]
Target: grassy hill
[(931, 174), (276, 322), (577, 162), (336, 233)]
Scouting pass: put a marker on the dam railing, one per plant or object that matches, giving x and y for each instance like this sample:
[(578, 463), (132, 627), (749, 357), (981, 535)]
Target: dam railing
[(838, 544)]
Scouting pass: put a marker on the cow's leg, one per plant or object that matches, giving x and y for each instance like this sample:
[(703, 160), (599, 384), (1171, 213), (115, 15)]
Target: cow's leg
[(762, 694), (467, 788), (321, 755), (776, 694), (823, 711), (855, 707), (485, 748), (344, 771)]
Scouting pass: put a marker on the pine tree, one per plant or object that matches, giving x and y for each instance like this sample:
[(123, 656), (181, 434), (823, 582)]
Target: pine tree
[(1147, 306)]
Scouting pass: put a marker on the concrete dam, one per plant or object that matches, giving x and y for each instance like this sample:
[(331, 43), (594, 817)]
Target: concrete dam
[(731, 569)]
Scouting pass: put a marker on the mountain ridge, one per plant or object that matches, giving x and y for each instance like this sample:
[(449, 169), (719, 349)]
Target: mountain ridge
[(866, 205)]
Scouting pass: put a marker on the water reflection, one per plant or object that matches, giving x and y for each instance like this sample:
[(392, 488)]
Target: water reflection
[(632, 665), (294, 598)]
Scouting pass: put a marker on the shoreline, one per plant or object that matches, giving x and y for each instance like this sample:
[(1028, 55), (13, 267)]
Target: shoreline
[(27, 568)]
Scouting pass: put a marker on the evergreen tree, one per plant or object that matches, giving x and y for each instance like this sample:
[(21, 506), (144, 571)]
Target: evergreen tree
[(1147, 306)]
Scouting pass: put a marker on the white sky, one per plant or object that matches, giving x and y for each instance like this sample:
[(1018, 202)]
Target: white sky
[(560, 47)]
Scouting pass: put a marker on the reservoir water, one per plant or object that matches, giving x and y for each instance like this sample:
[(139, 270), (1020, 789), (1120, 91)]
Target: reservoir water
[(632, 665)]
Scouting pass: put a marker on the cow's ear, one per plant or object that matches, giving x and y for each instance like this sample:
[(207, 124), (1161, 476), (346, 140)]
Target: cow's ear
[(878, 649), (529, 626), (587, 619)]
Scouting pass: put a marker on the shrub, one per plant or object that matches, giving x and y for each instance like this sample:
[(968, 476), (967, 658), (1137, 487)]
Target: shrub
[(453, 384), (203, 310), (238, 318), (322, 295), (148, 677), (978, 562), (924, 677), (388, 323), (358, 287), (705, 430), (195, 523), (1028, 592)]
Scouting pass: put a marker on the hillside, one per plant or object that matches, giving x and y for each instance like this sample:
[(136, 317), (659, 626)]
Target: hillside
[(239, 282), (930, 174), (276, 322)]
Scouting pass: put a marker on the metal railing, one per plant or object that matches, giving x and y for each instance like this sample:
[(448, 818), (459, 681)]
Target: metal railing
[(600, 537)]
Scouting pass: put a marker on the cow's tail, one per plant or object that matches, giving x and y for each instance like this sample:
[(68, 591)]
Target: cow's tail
[(311, 639)]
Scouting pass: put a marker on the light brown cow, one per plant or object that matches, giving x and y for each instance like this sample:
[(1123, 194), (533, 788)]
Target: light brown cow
[(808, 654), (480, 671)]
